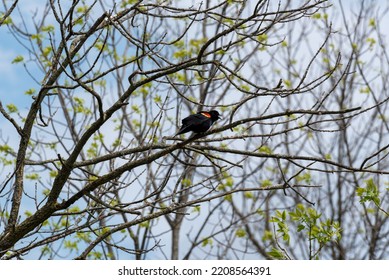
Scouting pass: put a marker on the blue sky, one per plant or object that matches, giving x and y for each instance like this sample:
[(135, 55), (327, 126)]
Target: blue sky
[(13, 77)]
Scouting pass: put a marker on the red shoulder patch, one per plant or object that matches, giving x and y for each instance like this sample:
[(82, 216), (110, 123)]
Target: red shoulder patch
[(205, 114)]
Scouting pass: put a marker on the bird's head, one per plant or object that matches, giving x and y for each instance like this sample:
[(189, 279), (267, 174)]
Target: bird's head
[(214, 115)]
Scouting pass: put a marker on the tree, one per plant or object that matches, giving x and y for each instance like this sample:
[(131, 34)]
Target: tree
[(97, 174)]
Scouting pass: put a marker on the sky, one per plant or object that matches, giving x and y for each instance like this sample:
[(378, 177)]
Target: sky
[(13, 77)]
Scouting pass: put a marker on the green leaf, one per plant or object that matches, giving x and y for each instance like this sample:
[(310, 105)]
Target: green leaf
[(7, 21), (370, 193), (372, 23), (371, 42), (5, 149), (221, 187), (286, 238), (30, 91), (328, 156), (145, 224), (287, 83), (82, 9), (18, 59), (268, 235), (228, 197), (207, 241), (262, 37), (28, 213), (181, 53), (283, 215), (266, 183), (74, 209), (371, 187), (96, 255), (265, 149), (295, 215), (245, 88), (37, 37), (158, 99), (46, 51), (229, 181), (300, 207), (101, 46), (135, 108), (248, 195), (274, 220), (186, 182), (179, 44), (53, 173), (280, 214), (72, 245), (306, 177), (33, 176), (316, 16), (48, 28), (360, 191), (276, 254), (240, 233)]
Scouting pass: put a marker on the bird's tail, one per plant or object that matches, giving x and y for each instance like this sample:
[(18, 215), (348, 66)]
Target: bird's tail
[(181, 131)]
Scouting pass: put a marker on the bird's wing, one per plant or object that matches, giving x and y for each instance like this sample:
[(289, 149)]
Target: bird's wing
[(195, 119), (194, 122)]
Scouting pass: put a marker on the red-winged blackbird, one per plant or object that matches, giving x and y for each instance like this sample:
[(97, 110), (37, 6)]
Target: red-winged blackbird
[(199, 123)]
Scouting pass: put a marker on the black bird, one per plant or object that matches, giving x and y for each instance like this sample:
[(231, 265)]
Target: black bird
[(199, 123)]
